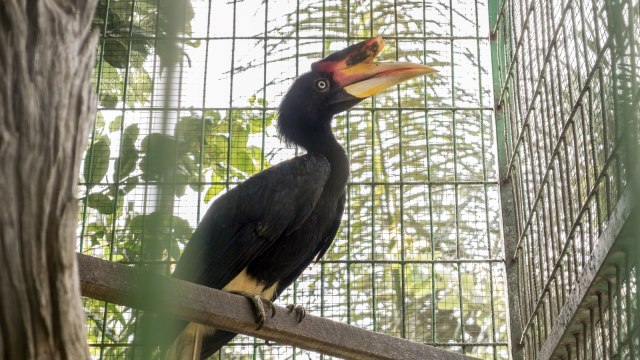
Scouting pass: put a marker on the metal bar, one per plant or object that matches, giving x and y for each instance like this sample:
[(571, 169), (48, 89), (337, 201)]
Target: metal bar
[(253, 343), (348, 192), (403, 291), (272, 108), (435, 183), (89, 155), (597, 259), (124, 285), (263, 126), (564, 250), (308, 37), (484, 177), (204, 101), (556, 151), (508, 211), (628, 306), (231, 72), (355, 261), (502, 86)]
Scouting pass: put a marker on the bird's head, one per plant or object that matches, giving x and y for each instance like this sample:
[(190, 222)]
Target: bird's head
[(337, 83)]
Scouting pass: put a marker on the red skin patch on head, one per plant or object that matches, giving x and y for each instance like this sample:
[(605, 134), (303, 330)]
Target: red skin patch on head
[(324, 66), (362, 52)]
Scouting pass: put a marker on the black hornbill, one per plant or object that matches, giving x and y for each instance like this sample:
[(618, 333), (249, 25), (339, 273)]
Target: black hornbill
[(257, 238)]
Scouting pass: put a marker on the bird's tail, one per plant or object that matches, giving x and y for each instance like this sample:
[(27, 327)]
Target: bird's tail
[(214, 342), (197, 342)]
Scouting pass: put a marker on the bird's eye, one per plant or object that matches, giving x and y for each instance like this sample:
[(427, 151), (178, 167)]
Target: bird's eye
[(321, 85)]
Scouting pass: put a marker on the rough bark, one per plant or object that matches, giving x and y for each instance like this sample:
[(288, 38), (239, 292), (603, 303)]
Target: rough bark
[(46, 107)]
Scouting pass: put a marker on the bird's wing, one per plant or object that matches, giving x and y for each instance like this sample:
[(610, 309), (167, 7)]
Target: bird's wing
[(332, 230), (327, 240), (242, 223)]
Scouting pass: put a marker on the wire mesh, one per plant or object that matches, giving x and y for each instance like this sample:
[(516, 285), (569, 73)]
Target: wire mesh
[(418, 254), (565, 74)]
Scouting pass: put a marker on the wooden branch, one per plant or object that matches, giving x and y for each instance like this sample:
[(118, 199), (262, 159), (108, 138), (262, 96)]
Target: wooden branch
[(125, 285)]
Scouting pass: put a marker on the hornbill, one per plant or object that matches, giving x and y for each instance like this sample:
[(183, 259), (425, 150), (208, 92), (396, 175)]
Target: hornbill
[(256, 239)]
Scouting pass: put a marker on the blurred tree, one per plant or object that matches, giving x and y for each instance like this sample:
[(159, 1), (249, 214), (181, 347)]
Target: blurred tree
[(46, 108)]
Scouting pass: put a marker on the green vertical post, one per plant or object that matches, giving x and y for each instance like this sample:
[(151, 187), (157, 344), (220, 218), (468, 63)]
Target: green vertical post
[(508, 211)]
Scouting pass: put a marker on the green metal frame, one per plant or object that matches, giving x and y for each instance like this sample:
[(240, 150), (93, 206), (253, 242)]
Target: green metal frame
[(566, 80)]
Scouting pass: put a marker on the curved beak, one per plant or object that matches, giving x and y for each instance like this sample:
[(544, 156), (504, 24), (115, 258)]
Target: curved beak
[(356, 72)]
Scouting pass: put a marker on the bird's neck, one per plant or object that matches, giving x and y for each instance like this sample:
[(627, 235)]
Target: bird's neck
[(327, 145), (313, 133)]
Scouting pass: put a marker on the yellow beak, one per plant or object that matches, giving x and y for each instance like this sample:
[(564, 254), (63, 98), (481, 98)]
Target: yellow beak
[(355, 70)]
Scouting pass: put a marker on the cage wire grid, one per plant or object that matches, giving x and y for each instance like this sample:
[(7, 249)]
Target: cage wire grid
[(419, 252), (565, 74)]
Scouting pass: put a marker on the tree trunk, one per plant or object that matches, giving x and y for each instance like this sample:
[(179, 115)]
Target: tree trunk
[(47, 105)]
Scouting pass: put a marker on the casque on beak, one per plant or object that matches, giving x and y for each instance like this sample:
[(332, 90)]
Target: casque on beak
[(357, 74)]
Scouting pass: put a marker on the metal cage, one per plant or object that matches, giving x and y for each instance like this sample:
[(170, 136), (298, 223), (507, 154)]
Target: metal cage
[(418, 255), (566, 81)]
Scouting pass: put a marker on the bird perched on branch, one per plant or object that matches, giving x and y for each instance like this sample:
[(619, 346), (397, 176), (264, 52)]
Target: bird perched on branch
[(256, 239)]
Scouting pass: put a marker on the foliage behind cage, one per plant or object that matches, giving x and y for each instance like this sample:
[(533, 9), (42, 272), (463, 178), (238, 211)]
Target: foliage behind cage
[(419, 251)]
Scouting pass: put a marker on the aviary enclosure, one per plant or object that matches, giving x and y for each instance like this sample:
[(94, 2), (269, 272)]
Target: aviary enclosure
[(487, 208)]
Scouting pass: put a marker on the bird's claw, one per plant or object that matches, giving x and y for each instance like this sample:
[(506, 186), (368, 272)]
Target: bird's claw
[(300, 311), (259, 303)]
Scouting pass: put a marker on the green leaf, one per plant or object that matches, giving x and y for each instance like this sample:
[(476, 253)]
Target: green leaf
[(99, 126), (130, 136), (111, 86), (243, 161), (240, 136), (215, 146), (115, 53), (101, 202), (96, 161), (96, 232), (449, 302), (255, 153), (96, 228), (269, 119), (213, 191), (213, 115), (127, 162), (181, 228), (140, 87), (108, 100), (255, 123), (116, 124), (131, 184), (120, 203), (139, 52), (135, 225), (158, 151), (128, 153)]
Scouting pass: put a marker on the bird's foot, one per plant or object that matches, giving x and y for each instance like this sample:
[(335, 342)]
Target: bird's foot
[(259, 304), (300, 311)]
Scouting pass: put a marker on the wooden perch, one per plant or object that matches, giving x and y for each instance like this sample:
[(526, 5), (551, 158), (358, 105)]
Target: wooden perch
[(120, 284)]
